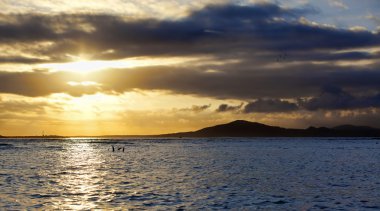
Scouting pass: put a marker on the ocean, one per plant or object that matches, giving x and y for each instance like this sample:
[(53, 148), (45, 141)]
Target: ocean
[(190, 174)]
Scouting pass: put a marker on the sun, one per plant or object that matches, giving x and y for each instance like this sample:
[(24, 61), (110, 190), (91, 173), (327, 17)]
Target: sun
[(83, 66)]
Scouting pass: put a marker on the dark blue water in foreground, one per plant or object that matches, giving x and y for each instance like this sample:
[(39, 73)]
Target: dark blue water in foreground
[(162, 174)]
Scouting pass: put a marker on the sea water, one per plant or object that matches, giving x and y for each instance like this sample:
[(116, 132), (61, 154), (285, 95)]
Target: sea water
[(190, 174)]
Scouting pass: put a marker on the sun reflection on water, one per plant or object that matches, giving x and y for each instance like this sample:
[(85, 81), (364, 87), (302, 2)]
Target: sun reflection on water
[(82, 178)]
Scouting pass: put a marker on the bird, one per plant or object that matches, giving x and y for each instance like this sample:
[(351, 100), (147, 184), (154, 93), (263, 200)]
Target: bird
[(282, 57)]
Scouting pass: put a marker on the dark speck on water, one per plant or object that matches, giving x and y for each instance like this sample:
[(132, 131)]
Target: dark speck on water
[(190, 174)]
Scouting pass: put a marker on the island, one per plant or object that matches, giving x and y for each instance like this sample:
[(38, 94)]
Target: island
[(242, 128)]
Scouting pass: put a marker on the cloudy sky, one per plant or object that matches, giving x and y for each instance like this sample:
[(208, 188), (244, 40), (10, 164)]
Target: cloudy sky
[(145, 67)]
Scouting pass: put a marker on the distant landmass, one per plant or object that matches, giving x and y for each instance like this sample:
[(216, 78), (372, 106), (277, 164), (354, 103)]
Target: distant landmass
[(242, 128), (46, 136)]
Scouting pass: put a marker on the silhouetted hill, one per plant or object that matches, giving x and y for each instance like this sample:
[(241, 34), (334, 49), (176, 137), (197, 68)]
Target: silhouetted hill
[(354, 128), (242, 128)]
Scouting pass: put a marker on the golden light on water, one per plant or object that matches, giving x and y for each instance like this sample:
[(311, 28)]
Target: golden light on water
[(82, 178)]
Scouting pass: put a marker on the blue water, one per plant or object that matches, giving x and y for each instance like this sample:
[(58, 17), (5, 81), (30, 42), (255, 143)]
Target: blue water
[(162, 174)]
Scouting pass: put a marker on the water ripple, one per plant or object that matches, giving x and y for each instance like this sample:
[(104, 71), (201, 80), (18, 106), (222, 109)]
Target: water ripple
[(195, 174)]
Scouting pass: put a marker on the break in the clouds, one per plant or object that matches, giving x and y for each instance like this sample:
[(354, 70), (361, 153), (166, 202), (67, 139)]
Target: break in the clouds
[(272, 58)]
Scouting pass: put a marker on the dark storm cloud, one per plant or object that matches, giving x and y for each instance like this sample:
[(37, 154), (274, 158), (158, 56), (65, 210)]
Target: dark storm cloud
[(27, 28), (196, 108), (213, 85), (325, 56), (334, 98), (22, 106), (40, 84), (244, 84), (240, 29), (262, 38), (331, 98), (114, 29), (24, 60), (269, 106), (335, 118), (227, 108)]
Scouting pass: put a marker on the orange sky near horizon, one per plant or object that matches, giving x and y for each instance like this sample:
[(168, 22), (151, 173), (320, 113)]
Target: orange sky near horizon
[(153, 67)]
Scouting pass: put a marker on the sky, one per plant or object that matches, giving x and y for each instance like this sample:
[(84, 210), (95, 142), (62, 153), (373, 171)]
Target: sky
[(106, 67)]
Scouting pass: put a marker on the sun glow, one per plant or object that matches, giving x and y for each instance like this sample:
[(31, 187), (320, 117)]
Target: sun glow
[(83, 83), (86, 66)]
